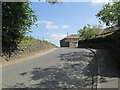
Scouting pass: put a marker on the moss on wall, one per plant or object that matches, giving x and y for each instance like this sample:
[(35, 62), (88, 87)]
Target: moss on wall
[(110, 42)]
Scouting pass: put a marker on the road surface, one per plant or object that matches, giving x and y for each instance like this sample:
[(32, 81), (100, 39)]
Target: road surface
[(62, 68)]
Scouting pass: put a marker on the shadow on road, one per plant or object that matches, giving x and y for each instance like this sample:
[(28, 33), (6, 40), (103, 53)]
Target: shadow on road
[(70, 74), (79, 70)]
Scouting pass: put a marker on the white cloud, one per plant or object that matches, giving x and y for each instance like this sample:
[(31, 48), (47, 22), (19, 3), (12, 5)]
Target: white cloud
[(100, 1), (65, 26), (50, 25), (57, 36), (44, 21), (48, 22)]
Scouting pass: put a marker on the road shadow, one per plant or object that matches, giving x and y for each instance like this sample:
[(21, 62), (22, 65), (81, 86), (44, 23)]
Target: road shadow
[(88, 65), (70, 74), (79, 70)]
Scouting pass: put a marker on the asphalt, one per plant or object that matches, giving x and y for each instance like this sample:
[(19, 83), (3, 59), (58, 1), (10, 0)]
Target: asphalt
[(63, 68), (27, 57)]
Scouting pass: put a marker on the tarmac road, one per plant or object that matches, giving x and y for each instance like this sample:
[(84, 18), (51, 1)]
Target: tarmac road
[(62, 68)]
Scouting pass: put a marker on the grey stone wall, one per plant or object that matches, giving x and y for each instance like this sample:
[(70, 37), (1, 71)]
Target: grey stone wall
[(69, 42), (28, 47), (111, 43), (64, 43)]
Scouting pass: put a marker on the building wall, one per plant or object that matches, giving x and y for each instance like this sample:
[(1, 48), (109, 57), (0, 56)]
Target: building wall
[(69, 42), (64, 44), (72, 44)]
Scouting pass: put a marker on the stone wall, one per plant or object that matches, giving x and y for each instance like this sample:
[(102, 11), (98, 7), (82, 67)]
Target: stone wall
[(28, 47), (64, 43), (111, 43), (110, 29), (69, 42)]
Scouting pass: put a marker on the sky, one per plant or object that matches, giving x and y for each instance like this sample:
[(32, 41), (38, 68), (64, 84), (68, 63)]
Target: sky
[(58, 20)]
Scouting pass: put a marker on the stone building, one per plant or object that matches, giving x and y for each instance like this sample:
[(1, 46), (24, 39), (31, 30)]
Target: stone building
[(70, 41)]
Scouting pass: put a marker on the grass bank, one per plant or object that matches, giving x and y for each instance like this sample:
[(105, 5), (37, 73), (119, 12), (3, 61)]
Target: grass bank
[(28, 46)]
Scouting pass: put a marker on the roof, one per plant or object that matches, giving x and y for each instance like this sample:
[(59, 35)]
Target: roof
[(74, 36)]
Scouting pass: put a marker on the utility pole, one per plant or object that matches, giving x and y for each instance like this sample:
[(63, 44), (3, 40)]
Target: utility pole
[(67, 33)]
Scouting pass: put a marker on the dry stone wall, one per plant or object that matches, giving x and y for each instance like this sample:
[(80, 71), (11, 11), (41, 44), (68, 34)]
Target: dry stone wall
[(29, 47), (111, 43)]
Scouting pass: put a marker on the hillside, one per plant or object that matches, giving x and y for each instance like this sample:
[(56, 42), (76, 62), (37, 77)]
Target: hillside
[(27, 47)]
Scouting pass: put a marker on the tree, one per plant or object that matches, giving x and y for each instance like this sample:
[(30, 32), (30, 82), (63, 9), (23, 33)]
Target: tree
[(98, 29), (89, 32), (53, 1), (17, 18), (110, 14)]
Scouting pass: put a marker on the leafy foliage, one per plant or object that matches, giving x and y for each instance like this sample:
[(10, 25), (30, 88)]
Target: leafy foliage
[(89, 32), (104, 35), (53, 1), (110, 14), (29, 38), (17, 18)]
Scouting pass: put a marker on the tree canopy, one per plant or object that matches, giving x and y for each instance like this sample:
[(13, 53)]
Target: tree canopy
[(17, 18), (53, 1), (110, 14), (88, 32)]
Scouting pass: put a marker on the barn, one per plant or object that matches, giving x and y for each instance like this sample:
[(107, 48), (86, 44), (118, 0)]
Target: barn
[(70, 41)]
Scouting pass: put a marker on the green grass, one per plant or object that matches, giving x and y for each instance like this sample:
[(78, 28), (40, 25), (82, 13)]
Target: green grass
[(98, 38), (27, 38), (105, 35)]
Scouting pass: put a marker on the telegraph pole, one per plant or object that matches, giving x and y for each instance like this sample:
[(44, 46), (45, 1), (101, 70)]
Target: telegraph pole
[(67, 33)]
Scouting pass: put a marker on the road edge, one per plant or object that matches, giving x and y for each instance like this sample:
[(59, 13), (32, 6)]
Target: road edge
[(27, 58)]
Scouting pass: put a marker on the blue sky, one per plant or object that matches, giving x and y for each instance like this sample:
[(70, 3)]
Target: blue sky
[(55, 21)]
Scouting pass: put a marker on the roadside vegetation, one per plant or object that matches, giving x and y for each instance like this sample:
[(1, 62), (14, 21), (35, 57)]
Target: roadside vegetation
[(89, 32), (17, 19), (30, 38), (109, 37), (109, 15), (27, 46)]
